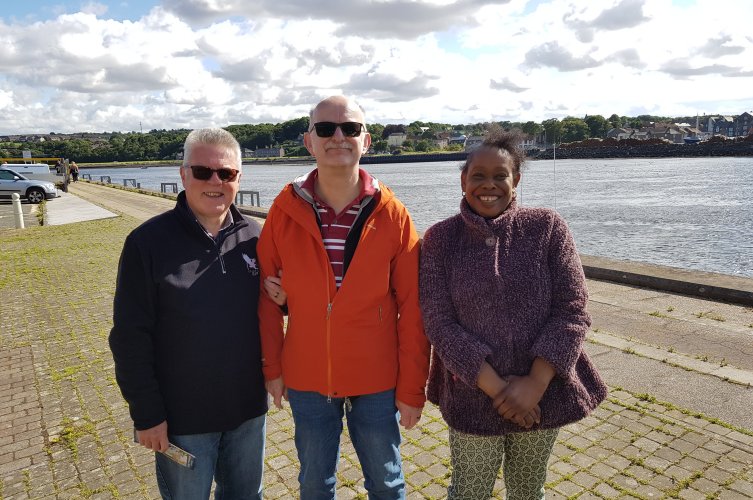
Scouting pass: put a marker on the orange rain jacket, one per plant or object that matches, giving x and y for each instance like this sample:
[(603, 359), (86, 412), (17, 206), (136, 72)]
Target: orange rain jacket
[(364, 338)]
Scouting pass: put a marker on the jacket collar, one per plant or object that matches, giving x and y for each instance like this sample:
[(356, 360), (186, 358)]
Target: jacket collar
[(188, 217), (485, 226)]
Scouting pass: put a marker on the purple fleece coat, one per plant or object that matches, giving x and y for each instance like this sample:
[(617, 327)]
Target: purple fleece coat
[(505, 291)]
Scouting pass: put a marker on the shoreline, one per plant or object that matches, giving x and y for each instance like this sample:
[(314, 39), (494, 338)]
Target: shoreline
[(648, 151)]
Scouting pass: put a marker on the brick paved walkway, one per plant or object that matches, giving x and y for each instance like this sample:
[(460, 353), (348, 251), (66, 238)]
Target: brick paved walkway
[(65, 430)]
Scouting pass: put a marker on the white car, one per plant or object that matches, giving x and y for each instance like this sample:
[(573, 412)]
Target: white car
[(34, 191)]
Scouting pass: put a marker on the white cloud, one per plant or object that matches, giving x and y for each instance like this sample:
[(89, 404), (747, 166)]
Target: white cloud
[(198, 63)]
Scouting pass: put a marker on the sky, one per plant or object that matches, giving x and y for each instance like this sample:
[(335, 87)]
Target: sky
[(136, 65)]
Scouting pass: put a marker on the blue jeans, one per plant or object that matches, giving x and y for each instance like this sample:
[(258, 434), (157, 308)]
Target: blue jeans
[(234, 459), (373, 426)]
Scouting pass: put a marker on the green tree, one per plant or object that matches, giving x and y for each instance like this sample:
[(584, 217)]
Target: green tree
[(597, 125), (291, 129), (574, 129), (376, 130), (380, 146), (615, 121), (423, 145), (531, 128), (553, 130)]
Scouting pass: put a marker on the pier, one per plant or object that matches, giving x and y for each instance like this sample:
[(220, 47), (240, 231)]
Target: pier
[(677, 422)]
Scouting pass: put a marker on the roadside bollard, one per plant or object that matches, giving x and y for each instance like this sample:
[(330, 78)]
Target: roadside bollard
[(18, 215)]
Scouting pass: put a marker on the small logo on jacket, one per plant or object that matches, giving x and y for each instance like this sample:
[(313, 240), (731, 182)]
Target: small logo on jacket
[(251, 265)]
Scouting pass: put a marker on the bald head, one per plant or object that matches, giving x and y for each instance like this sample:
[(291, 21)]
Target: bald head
[(346, 104)]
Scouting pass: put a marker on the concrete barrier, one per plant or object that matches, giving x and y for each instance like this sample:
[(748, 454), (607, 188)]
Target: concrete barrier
[(702, 284)]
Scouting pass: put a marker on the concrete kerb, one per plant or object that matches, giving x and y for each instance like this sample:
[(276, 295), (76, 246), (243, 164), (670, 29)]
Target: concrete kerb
[(726, 373)]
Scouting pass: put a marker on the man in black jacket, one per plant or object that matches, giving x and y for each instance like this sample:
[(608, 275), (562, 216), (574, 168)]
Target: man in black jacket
[(185, 338)]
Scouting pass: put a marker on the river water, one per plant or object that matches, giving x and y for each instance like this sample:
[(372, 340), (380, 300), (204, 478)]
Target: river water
[(693, 213)]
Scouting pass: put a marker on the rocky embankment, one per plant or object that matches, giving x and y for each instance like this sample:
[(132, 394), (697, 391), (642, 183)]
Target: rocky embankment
[(645, 149)]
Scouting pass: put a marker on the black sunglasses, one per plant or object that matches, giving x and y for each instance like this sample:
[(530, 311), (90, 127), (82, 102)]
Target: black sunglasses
[(205, 173), (349, 129)]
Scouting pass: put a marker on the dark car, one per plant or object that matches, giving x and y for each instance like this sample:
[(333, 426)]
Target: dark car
[(33, 190)]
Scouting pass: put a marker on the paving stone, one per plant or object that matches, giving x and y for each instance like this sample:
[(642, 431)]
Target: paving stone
[(717, 475), (732, 495), (691, 494), (648, 491), (568, 488), (606, 491), (586, 480), (744, 487), (704, 485)]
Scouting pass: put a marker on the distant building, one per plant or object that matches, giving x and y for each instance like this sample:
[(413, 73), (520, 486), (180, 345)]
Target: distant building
[(457, 139), (396, 139), (439, 143), (743, 124), (721, 125), (471, 142), (276, 152)]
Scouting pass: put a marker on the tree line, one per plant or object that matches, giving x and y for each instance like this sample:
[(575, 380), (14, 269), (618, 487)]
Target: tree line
[(166, 144)]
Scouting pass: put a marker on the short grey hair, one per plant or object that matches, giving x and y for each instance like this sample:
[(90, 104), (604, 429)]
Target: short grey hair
[(212, 137)]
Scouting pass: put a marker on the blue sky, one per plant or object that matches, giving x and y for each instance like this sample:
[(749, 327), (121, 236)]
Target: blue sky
[(70, 66), (44, 10)]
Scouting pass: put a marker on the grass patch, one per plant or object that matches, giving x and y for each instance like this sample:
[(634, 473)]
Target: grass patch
[(710, 315), (646, 397), (658, 314), (41, 212), (71, 433)]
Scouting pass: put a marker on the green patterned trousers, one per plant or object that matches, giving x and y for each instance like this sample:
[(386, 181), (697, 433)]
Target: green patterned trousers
[(476, 461)]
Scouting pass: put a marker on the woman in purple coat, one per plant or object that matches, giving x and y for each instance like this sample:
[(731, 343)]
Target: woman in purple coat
[(504, 304)]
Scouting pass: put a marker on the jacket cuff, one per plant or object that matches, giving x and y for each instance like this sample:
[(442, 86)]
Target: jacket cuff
[(272, 372), (411, 399)]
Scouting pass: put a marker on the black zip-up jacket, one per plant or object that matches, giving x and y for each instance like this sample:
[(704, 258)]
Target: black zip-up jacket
[(185, 338)]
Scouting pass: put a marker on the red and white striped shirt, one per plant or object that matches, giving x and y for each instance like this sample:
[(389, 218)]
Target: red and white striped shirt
[(335, 227)]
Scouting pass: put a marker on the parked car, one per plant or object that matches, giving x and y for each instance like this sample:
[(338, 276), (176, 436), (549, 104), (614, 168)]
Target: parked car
[(34, 191)]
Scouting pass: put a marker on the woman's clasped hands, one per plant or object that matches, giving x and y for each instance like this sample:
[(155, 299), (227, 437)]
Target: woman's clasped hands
[(519, 400)]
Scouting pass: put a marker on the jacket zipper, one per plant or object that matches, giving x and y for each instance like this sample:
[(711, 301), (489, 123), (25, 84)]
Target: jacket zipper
[(329, 344), (221, 259)]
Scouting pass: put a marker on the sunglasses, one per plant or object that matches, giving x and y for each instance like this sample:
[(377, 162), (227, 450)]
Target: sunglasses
[(349, 129), (205, 173)]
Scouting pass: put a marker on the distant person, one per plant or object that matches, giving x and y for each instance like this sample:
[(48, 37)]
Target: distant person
[(504, 301), (74, 171), (185, 336), (354, 344)]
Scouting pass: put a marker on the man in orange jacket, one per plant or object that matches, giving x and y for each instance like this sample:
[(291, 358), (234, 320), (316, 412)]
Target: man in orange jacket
[(355, 342)]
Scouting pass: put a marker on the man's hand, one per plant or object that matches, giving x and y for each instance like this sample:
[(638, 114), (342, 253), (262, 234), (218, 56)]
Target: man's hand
[(154, 438), (276, 389), (409, 415)]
